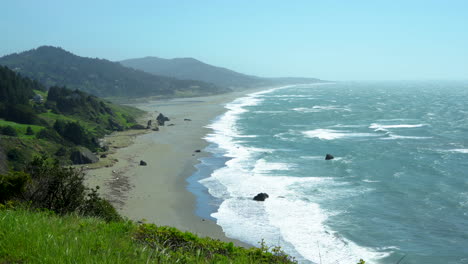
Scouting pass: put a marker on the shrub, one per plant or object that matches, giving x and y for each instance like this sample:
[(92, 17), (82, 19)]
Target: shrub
[(12, 185), (15, 155), (61, 152), (74, 132), (59, 126), (98, 207), (9, 131), (62, 190), (29, 131), (23, 114), (53, 187), (50, 135)]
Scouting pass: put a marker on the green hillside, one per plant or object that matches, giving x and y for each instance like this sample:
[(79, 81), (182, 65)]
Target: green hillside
[(53, 66), (43, 237), (58, 122)]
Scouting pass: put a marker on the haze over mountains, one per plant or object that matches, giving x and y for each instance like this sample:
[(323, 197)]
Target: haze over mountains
[(193, 69), (149, 76), (56, 66)]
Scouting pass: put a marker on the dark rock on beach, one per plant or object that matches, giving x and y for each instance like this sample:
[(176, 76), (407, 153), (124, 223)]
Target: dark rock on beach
[(83, 155), (143, 163), (161, 119), (329, 157), (103, 156), (197, 150), (186, 119), (148, 125), (261, 197)]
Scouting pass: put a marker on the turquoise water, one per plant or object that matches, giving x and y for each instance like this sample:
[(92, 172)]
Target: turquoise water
[(398, 185)]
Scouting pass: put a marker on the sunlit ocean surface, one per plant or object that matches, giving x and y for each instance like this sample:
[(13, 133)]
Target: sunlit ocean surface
[(398, 185)]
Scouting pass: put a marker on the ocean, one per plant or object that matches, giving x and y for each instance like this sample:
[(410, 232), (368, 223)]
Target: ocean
[(397, 187)]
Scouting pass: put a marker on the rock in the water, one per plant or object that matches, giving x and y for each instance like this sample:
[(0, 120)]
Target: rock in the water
[(186, 119), (148, 125), (329, 157), (171, 125), (156, 129), (142, 163), (103, 156), (138, 126), (197, 150), (261, 197), (161, 119), (83, 155)]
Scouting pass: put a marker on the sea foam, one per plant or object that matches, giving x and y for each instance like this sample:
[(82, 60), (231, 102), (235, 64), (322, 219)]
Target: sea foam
[(287, 218), (330, 134)]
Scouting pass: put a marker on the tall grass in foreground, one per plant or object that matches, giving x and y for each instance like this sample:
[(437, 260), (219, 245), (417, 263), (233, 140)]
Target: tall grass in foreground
[(43, 237)]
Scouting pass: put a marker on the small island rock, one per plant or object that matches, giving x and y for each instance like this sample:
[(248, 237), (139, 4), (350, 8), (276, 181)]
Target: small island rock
[(261, 197), (143, 163)]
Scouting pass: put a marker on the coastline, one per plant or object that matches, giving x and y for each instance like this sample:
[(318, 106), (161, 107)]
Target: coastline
[(157, 193)]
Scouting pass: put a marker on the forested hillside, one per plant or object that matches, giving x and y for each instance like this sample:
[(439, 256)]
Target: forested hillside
[(60, 122), (53, 66)]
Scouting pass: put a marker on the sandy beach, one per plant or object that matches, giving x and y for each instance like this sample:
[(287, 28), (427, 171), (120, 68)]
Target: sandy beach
[(157, 193)]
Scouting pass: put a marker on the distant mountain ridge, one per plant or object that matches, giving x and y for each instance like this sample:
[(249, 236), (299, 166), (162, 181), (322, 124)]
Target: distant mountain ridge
[(190, 68), (56, 66)]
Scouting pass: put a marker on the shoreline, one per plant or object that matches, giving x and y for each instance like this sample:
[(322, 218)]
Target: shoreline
[(158, 193)]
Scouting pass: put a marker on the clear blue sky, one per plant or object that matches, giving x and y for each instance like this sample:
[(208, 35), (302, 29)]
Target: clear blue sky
[(329, 39)]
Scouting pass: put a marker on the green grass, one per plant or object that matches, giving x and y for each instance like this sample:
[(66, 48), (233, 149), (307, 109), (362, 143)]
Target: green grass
[(42, 237), (43, 93), (27, 237), (21, 128)]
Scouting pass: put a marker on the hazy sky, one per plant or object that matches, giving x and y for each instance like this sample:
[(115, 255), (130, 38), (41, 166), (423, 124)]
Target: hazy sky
[(335, 40)]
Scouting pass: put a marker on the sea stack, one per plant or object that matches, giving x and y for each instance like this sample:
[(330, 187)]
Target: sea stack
[(329, 157)]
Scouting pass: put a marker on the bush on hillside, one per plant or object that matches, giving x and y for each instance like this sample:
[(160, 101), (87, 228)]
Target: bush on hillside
[(53, 187), (9, 131), (23, 114), (12, 185), (29, 131), (50, 135), (75, 133), (98, 207), (62, 190), (15, 154), (61, 152)]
